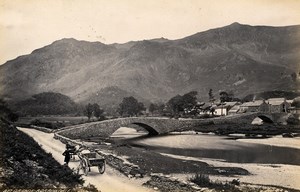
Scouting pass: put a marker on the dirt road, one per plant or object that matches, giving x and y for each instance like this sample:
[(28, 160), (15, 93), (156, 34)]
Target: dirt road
[(110, 181)]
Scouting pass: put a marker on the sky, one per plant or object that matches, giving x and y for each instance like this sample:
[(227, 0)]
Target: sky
[(26, 25)]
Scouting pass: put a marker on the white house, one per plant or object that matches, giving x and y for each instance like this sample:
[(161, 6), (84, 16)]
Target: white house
[(223, 108)]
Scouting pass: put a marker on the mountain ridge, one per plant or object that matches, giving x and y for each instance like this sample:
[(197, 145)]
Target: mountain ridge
[(240, 58)]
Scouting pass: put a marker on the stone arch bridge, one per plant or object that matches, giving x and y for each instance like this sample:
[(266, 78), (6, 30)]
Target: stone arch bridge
[(157, 125)]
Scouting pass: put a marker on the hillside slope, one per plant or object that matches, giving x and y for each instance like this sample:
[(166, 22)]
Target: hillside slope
[(240, 58), (23, 161)]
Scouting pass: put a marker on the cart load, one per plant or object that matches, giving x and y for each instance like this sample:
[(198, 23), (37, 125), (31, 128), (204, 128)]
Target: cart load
[(92, 159)]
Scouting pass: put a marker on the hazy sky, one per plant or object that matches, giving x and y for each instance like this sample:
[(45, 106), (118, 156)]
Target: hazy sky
[(26, 25)]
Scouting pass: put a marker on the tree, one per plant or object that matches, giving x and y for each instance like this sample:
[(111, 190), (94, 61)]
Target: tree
[(130, 106), (296, 102), (224, 97), (189, 100), (211, 96), (179, 103), (175, 104), (97, 111), (152, 108), (161, 108), (88, 111)]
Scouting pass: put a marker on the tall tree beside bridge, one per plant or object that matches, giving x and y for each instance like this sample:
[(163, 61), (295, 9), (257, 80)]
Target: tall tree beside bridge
[(88, 111), (152, 107), (97, 111), (130, 107)]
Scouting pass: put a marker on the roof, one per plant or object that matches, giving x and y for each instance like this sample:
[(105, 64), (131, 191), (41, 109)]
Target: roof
[(235, 109), (256, 103), (226, 105), (276, 101), (231, 104)]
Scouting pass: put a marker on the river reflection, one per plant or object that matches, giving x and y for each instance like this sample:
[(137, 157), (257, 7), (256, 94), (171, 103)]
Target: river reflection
[(214, 147)]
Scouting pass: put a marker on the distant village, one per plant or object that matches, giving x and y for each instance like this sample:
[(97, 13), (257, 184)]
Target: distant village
[(271, 105)]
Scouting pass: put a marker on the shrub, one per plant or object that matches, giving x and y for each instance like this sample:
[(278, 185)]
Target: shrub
[(201, 180)]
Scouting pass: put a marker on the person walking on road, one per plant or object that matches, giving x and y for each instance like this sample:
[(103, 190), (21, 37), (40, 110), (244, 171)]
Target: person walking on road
[(67, 155)]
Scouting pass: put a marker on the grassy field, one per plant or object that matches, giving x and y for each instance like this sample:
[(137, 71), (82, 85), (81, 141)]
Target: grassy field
[(66, 120)]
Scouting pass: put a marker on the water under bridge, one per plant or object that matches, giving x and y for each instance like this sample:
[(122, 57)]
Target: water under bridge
[(158, 125)]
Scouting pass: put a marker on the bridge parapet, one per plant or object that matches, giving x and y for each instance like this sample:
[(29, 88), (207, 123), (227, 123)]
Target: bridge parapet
[(156, 126)]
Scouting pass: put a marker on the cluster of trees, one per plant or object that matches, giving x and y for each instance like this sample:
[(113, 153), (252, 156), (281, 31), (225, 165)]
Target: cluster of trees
[(50, 103), (226, 97), (180, 103), (47, 103), (157, 108), (130, 107), (93, 110)]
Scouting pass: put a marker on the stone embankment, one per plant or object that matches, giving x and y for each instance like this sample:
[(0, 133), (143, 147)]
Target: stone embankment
[(44, 129)]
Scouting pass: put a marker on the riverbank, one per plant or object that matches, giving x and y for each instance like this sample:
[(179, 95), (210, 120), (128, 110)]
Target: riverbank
[(162, 172), (277, 140), (183, 168)]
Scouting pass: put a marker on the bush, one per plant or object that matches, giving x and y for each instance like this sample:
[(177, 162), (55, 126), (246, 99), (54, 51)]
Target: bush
[(292, 120), (201, 180)]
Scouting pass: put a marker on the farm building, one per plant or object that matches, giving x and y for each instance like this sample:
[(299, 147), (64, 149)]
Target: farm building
[(278, 105), (234, 110), (254, 106)]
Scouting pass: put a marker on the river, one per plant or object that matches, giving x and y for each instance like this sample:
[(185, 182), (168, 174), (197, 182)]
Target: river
[(210, 146)]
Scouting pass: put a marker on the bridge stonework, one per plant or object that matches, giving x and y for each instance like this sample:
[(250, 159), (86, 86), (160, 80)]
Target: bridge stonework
[(154, 125)]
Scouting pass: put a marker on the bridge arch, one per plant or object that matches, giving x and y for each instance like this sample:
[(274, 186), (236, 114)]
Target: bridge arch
[(150, 129), (266, 118)]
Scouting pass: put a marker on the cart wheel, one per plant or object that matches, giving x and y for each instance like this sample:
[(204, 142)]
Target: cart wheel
[(85, 167), (101, 167)]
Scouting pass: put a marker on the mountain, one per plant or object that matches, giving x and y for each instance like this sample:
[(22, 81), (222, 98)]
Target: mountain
[(240, 58)]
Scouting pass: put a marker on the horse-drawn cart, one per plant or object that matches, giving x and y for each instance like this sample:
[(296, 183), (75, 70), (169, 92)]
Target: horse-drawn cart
[(88, 160)]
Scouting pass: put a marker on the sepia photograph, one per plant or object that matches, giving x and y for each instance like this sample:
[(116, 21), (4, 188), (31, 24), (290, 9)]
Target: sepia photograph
[(150, 95)]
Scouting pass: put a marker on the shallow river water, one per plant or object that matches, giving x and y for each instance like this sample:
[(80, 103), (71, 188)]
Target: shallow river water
[(227, 148)]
